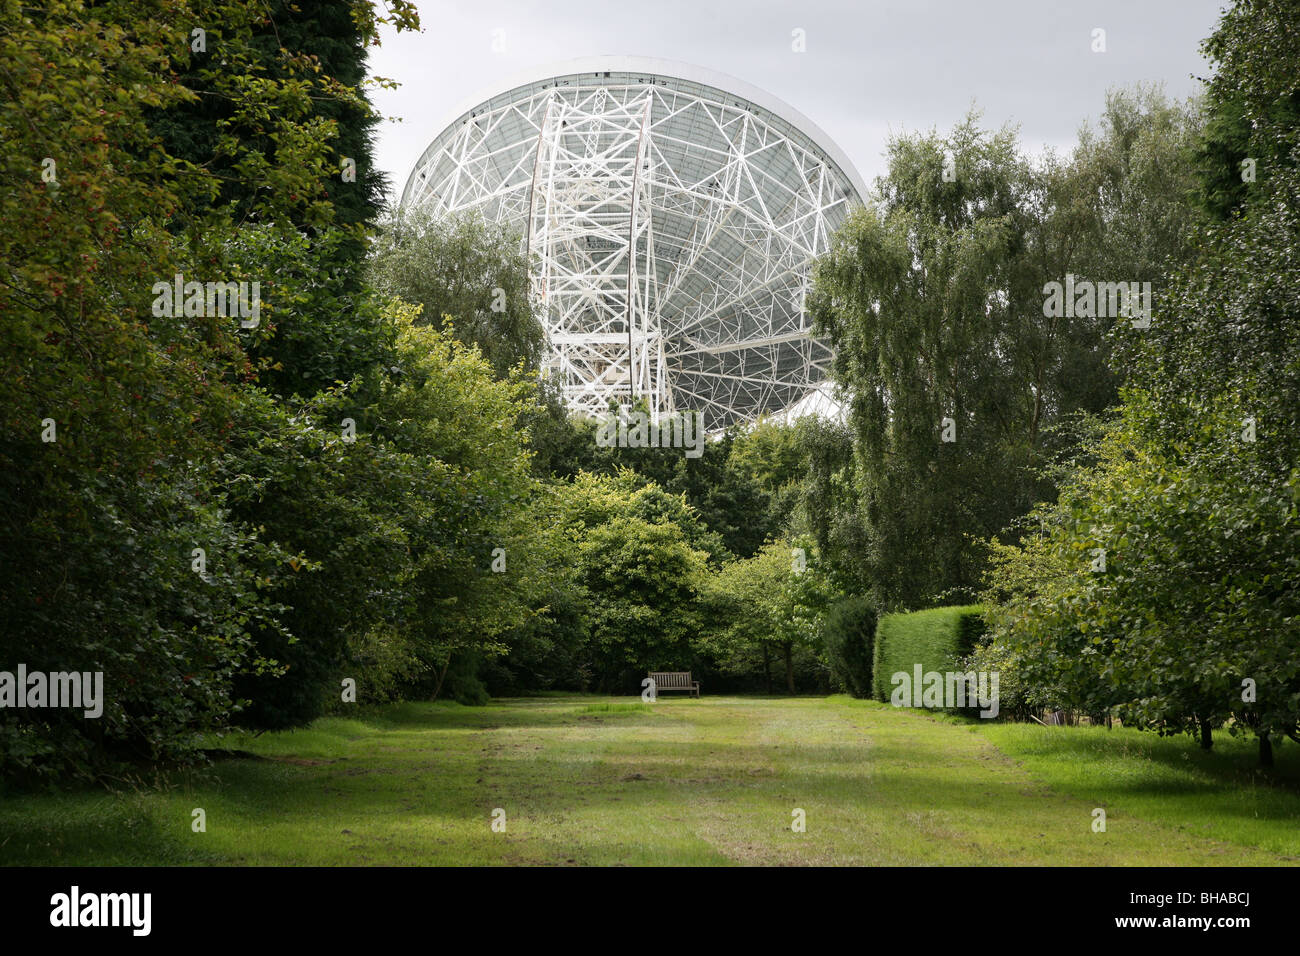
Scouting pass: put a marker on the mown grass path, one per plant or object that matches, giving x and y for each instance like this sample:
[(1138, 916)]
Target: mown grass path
[(593, 781)]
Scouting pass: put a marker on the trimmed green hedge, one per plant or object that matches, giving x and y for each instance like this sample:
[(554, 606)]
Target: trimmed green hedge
[(936, 639)]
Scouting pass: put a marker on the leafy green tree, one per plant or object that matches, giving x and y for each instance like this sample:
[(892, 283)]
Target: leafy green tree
[(278, 118), (773, 455), (550, 650), (1191, 493), (469, 275), (729, 502), (1252, 102), (107, 416), (121, 552), (772, 604), (1219, 375), (643, 581), (917, 295), (830, 503), (318, 328), (727, 499), (1157, 584), (934, 299), (468, 486)]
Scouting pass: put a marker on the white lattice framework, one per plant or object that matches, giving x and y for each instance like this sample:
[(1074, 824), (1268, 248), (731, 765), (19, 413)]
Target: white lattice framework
[(670, 216)]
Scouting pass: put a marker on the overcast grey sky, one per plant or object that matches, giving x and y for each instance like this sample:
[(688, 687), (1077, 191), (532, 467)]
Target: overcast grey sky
[(871, 69)]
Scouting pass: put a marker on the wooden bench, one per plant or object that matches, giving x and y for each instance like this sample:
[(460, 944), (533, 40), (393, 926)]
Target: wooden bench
[(675, 680)]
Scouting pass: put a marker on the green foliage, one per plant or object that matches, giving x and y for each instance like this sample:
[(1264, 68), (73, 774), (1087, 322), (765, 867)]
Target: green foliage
[(1194, 598), (549, 648), (642, 580), (773, 457), (1253, 103), (1120, 208), (99, 524), (461, 681), (384, 665), (906, 296), (597, 499), (849, 635), (317, 329), (620, 570), (738, 494), (468, 274), (729, 500), (451, 426), (1019, 698), (933, 297), (937, 639), (277, 102), (830, 505), (770, 604), (971, 629), (1190, 491), (129, 546)]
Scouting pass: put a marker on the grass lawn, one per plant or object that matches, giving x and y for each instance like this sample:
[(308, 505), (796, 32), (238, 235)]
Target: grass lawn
[(1221, 794), (586, 780)]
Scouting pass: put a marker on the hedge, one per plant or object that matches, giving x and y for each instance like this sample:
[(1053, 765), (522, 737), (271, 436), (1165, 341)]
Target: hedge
[(936, 639)]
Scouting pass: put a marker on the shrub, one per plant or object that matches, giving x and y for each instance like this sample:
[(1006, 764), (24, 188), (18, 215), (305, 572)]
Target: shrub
[(462, 683), (383, 663), (1018, 699), (849, 635), (937, 639)]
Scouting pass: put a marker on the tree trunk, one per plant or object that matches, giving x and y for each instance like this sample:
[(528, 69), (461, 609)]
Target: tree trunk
[(789, 668), (767, 665), (1207, 737), (441, 674), (1265, 750)]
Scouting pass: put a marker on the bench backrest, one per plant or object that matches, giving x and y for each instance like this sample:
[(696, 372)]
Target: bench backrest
[(671, 679)]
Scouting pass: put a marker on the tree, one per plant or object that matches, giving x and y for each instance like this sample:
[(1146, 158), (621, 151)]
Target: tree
[(1252, 103), (450, 425), (642, 579), (953, 369), (773, 456), (728, 500), (918, 295), (1220, 383), (468, 274), (121, 552), (1192, 497), (772, 602)]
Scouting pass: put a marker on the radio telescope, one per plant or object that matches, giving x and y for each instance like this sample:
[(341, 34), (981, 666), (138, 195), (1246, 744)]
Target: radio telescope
[(670, 215)]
